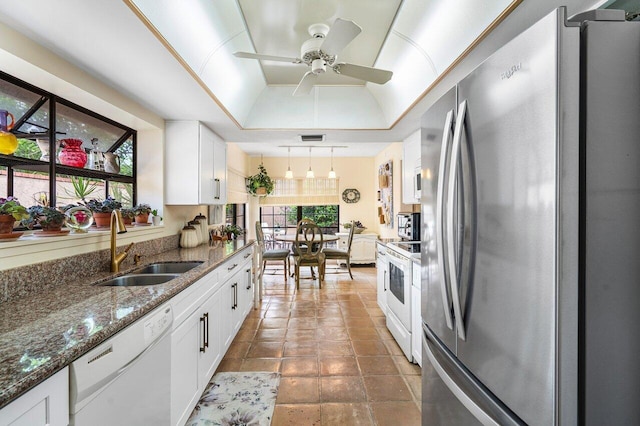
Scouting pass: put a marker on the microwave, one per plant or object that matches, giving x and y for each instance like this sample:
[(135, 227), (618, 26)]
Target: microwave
[(409, 226)]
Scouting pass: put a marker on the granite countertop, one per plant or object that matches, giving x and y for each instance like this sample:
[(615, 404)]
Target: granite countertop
[(43, 332)]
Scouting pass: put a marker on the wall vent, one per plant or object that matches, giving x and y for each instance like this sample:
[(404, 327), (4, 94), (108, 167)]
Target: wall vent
[(312, 138)]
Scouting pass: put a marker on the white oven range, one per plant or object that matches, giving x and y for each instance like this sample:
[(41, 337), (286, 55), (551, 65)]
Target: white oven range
[(399, 256)]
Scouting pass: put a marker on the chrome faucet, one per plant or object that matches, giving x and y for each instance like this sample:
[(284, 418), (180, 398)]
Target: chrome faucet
[(117, 227)]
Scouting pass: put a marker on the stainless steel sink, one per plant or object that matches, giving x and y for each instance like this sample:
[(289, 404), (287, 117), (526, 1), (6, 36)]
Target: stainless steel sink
[(131, 280), (167, 268)]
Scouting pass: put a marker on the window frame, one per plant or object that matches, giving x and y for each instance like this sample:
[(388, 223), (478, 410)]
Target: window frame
[(52, 167)]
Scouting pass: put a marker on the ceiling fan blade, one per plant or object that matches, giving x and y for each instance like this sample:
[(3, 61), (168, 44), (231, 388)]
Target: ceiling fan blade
[(248, 55), (340, 34), (374, 75), (306, 84)]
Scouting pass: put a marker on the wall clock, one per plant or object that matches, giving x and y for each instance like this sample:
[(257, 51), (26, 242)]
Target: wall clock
[(350, 195)]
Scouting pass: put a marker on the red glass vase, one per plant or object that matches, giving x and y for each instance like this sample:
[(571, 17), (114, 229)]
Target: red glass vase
[(72, 153)]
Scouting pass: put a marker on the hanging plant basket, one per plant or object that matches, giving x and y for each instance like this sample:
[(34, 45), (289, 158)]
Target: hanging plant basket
[(260, 184)]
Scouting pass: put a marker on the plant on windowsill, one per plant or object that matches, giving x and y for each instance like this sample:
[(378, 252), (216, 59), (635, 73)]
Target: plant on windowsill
[(260, 184), (11, 211), (127, 215), (49, 218), (141, 212), (102, 210), (232, 231)]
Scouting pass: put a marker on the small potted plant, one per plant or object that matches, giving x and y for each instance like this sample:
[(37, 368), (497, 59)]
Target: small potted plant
[(232, 231), (49, 218), (127, 215), (102, 210), (11, 211), (155, 218), (141, 212), (260, 184)]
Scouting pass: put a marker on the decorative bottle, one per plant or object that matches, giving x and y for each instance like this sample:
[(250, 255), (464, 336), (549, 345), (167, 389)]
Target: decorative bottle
[(72, 153)]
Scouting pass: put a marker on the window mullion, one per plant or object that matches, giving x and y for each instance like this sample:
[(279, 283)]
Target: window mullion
[(52, 150)]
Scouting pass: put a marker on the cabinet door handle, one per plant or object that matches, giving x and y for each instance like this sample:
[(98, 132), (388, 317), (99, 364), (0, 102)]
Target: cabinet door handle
[(232, 267), (247, 255), (248, 271), (206, 334), (204, 338), (236, 299), (384, 281), (217, 184)]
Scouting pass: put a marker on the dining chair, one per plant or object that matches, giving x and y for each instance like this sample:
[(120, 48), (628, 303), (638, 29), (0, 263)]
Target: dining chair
[(307, 249), (271, 255), (340, 254)]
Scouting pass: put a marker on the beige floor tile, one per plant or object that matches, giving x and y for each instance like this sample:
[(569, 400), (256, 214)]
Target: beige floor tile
[(270, 334), (355, 322), (237, 350), (274, 323), (265, 350), (300, 334), (393, 347), (339, 366), (260, 364), (364, 333), (329, 348), (332, 333), (386, 388), (396, 413), (342, 389), (406, 367), (377, 365), (346, 414), (230, 364), (294, 390), (303, 323), (415, 384), (303, 348), (299, 366), (369, 347), (296, 415)]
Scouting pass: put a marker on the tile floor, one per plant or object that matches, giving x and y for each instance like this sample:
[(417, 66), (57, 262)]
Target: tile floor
[(339, 364)]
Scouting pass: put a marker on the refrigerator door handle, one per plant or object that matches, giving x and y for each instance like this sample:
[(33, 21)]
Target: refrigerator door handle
[(451, 236), (440, 204)]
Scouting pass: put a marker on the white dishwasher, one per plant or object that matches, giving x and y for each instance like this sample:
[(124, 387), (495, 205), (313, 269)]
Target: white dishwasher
[(125, 380)]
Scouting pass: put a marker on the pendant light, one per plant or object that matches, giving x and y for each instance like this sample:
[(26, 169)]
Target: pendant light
[(310, 174), (289, 173), (332, 174)]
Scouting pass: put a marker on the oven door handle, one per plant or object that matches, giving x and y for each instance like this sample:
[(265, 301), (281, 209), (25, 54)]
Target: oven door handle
[(440, 215)]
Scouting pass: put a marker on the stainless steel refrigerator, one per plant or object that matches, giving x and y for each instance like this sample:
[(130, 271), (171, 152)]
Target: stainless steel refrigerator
[(530, 234)]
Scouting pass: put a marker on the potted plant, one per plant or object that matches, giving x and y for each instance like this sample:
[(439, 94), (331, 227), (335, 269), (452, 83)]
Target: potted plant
[(49, 218), (141, 212), (11, 211), (232, 231), (260, 184), (102, 210), (156, 219), (127, 215), (358, 226)]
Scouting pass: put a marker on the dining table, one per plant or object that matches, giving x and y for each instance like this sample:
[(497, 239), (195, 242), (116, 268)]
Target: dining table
[(291, 238)]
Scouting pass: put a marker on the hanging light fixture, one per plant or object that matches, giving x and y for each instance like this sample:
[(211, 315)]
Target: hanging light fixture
[(332, 174), (289, 173), (310, 174)]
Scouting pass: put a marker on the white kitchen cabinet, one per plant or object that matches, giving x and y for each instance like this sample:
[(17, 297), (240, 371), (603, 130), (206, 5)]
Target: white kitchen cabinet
[(363, 247), (382, 267), (237, 295), (196, 349), (416, 315), (411, 170), (45, 404), (195, 165)]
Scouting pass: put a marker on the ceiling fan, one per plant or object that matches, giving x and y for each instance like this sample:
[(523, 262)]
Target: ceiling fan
[(321, 51)]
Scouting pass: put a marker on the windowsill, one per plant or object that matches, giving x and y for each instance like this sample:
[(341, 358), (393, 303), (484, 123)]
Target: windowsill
[(30, 248)]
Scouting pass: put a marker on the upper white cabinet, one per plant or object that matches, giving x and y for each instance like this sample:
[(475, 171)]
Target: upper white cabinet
[(411, 169), (195, 165)]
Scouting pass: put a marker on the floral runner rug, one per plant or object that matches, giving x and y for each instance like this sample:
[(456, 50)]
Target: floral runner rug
[(237, 399)]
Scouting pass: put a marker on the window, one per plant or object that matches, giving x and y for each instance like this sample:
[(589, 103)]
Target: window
[(235, 215), (284, 219), (41, 166)]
